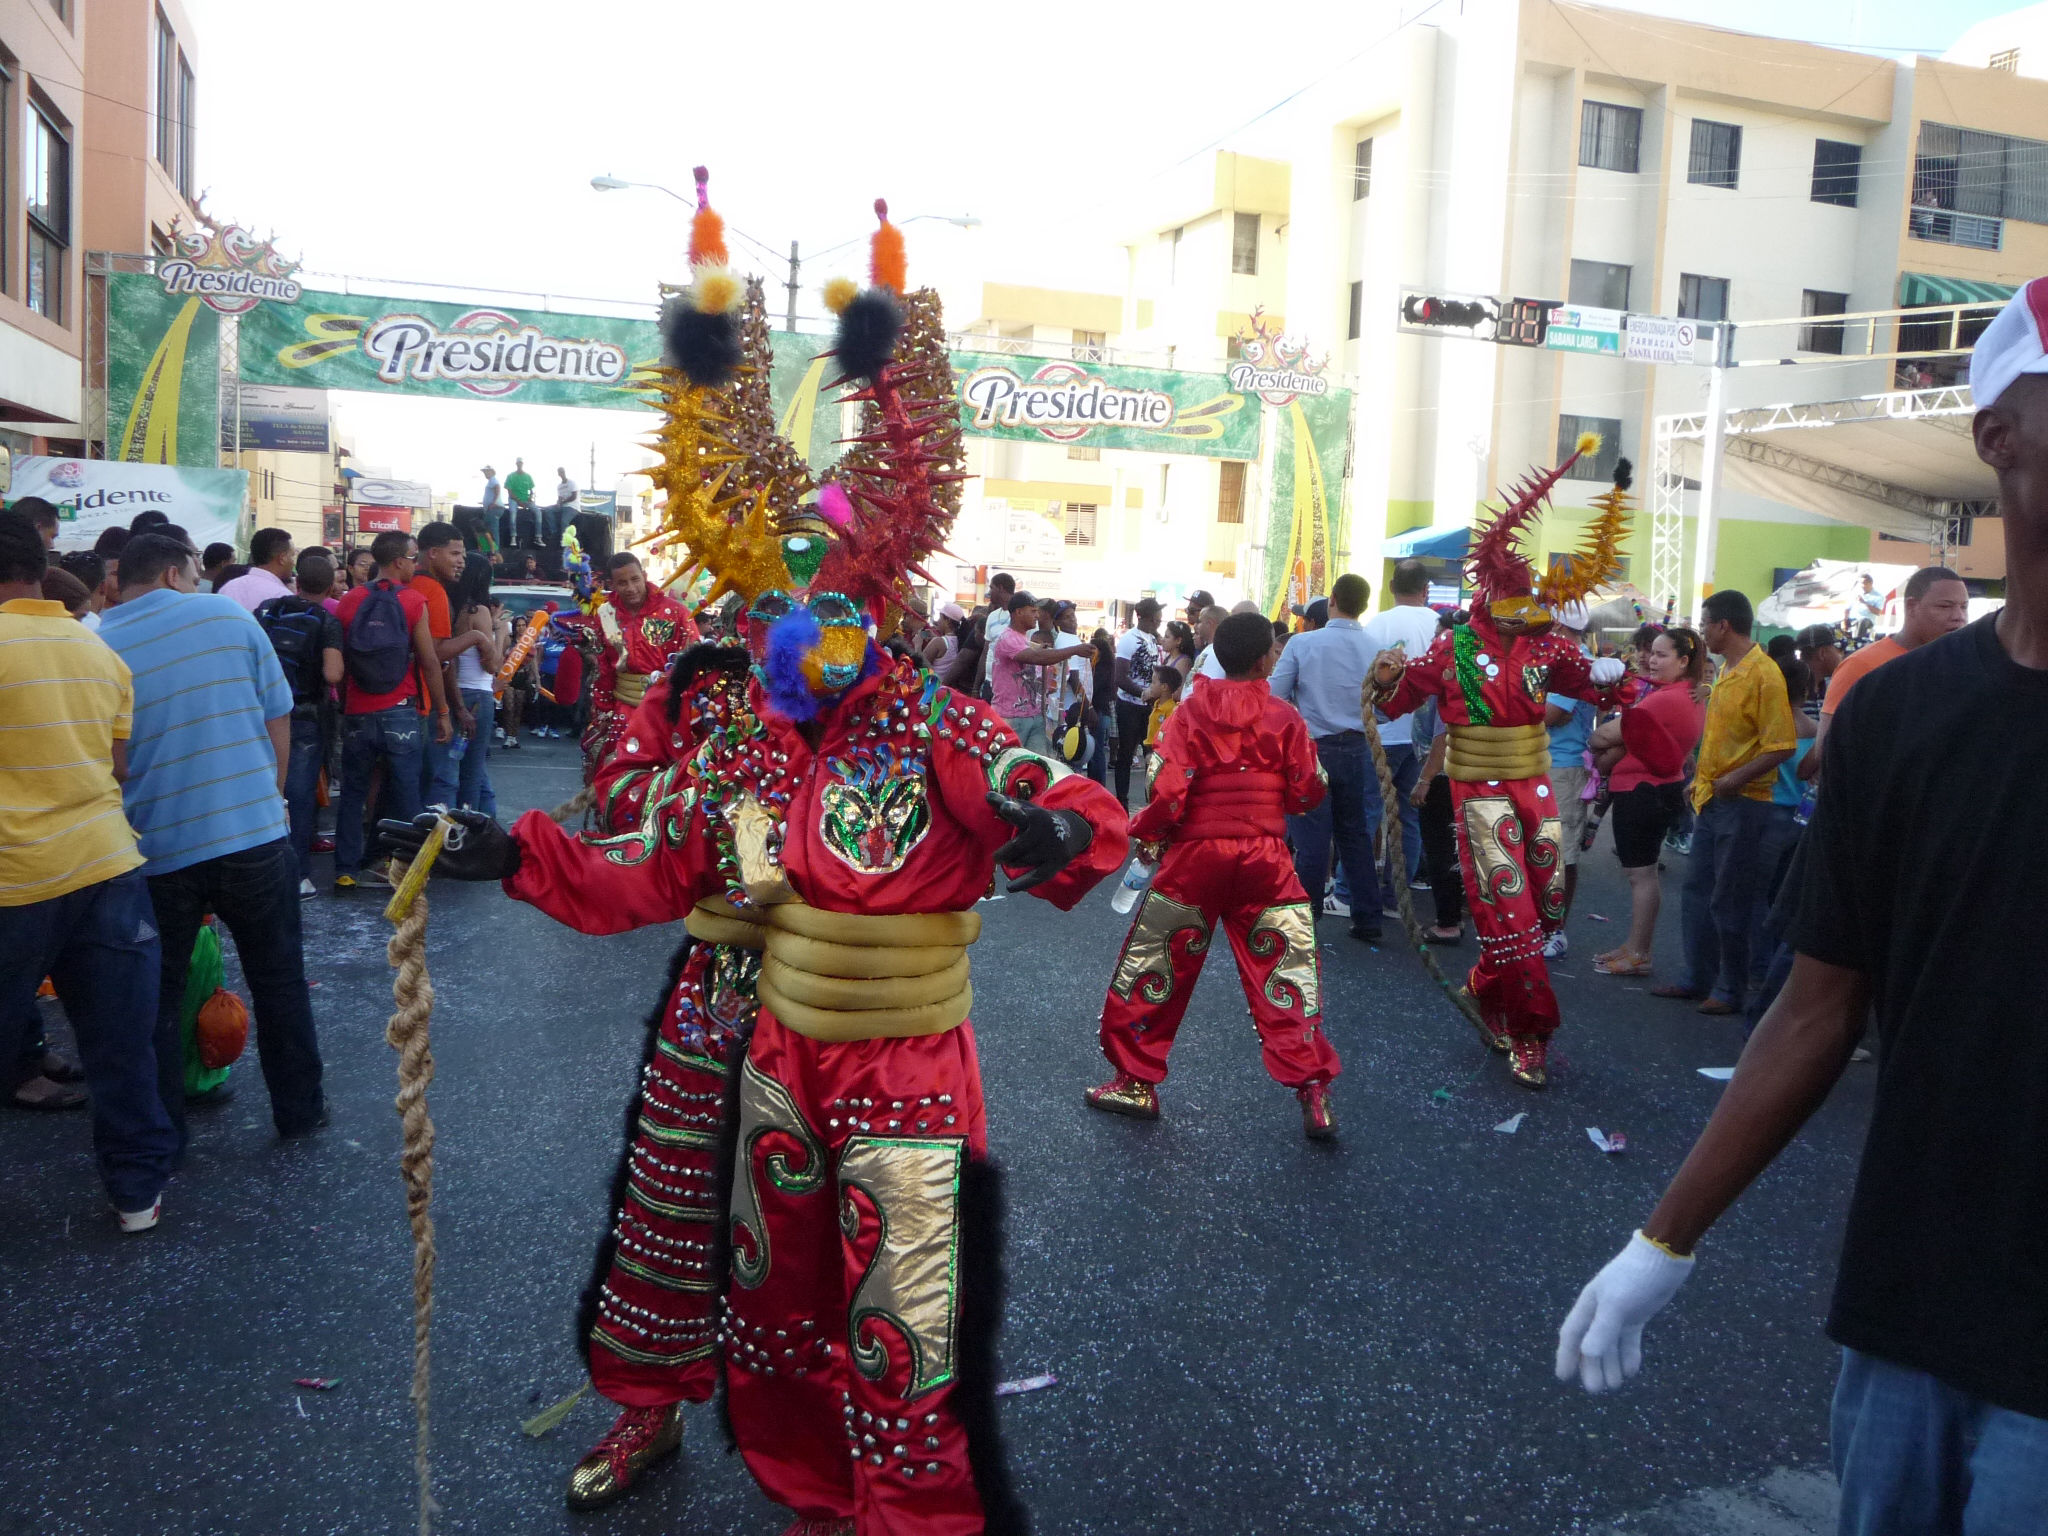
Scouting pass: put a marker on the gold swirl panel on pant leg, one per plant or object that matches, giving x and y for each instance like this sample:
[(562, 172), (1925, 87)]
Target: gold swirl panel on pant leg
[(1546, 863), (1494, 835), (1145, 968), (912, 1281), (766, 1106), (1295, 982)]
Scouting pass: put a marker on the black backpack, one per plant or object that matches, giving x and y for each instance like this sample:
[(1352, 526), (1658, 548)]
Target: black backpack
[(378, 645), (294, 625)]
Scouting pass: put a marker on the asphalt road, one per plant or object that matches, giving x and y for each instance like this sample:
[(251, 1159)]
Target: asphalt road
[(1251, 1333)]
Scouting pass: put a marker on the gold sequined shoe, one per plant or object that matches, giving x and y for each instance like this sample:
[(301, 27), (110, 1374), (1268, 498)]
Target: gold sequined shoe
[(1318, 1120), (641, 1437), (1126, 1095), (1527, 1058)]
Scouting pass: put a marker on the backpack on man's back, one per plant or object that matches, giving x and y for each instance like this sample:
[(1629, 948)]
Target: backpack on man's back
[(295, 625), (378, 644)]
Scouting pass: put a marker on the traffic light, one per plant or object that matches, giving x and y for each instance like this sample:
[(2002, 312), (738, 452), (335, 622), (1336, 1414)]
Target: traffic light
[(1444, 312)]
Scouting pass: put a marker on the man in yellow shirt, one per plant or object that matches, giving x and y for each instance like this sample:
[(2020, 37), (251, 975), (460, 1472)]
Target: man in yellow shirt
[(73, 903), (1749, 732)]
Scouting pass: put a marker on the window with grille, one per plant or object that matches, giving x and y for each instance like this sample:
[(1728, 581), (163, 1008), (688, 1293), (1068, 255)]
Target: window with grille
[(1599, 284), (1593, 466), (1610, 137), (1837, 172), (1983, 175), (1361, 171), (49, 213), (1084, 453), (1230, 491), (2007, 59), (1357, 310), (1244, 244), (1822, 338), (1702, 298), (1716, 159), (1081, 523), (1088, 346)]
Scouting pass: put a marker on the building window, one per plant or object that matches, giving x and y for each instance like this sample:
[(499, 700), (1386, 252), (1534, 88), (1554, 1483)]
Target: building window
[(1361, 171), (1244, 244), (172, 89), (1599, 285), (1081, 453), (1595, 466), (1081, 524), (1984, 175), (49, 214), (1610, 137), (1357, 310), (1716, 154), (6, 166), (1837, 172), (1823, 338), (1088, 346), (1171, 240), (1230, 491), (2007, 59), (1702, 298)]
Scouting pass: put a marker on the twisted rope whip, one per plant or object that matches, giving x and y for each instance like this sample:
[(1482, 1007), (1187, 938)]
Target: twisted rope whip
[(413, 991), (1390, 819)]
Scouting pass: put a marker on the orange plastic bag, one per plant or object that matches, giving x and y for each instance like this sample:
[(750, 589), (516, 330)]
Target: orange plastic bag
[(221, 1030)]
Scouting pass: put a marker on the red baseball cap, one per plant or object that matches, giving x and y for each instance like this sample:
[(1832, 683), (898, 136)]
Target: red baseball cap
[(2014, 343)]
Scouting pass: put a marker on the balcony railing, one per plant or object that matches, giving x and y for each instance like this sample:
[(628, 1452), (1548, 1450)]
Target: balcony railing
[(1977, 231)]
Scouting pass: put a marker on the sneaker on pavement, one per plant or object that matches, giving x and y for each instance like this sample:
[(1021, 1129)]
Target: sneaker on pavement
[(1332, 907), (142, 1220), (345, 885), (1555, 946), (511, 743), (307, 888), (323, 843)]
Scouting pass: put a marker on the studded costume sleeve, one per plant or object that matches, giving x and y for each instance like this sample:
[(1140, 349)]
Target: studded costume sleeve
[(1423, 679), (653, 872)]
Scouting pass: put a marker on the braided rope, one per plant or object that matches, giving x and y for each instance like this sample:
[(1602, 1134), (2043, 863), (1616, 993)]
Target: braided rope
[(575, 805), (413, 991), (1390, 820)]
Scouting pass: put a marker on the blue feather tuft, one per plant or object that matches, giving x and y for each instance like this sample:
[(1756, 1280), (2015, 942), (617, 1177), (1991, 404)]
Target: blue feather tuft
[(791, 640)]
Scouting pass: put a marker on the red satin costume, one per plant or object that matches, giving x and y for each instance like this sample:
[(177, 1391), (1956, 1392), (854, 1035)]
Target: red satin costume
[(1508, 827), (635, 646), (845, 1322), (1232, 764), (650, 1324)]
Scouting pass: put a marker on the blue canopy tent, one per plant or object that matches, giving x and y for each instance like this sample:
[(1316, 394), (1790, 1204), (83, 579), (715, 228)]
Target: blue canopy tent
[(1427, 544)]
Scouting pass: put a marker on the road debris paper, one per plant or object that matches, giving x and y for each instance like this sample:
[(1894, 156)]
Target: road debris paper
[(1512, 1124), (1718, 1074), (1606, 1143), (1027, 1384)]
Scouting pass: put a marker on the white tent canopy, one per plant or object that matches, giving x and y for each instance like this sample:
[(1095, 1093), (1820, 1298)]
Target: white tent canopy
[(1894, 462)]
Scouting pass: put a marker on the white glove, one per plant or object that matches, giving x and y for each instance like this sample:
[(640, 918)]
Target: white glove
[(1602, 1338), (1608, 670)]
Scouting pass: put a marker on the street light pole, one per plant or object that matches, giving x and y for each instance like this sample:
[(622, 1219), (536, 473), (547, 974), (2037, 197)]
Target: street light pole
[(790, 323)]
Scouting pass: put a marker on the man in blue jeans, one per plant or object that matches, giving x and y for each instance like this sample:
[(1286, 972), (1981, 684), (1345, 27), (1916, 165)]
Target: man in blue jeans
[(206, 766), (308, 642), (73, 905), (1933, 820), (381, 720), (1322, 673)]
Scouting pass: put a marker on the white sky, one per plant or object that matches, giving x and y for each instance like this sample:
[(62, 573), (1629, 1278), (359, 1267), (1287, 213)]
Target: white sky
[(453, 141)]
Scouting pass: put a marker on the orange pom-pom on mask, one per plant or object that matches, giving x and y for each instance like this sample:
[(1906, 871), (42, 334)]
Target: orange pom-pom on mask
[(707, 227), (888, 266)]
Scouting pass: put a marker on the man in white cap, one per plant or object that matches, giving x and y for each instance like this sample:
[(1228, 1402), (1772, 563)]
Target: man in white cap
[(1932, 819)]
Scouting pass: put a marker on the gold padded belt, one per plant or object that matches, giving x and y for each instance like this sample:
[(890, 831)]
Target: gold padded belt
[(837, 976), (629, 688), (1482, 752), (717, 921)]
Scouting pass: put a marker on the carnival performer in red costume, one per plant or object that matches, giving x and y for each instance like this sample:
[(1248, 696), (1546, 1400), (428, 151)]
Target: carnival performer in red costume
[(857, 809), (1233, 764), (640, 630), (1490, 677)]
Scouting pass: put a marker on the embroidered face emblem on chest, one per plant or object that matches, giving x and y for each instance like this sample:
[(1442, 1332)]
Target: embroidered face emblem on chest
[(659, 632), (872, 812)]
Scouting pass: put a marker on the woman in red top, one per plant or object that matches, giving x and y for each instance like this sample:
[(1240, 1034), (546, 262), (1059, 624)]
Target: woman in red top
[(1643, 750)]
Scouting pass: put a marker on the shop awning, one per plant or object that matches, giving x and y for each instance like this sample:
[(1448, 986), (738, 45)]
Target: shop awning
[(1427, 543), (1918, 288)]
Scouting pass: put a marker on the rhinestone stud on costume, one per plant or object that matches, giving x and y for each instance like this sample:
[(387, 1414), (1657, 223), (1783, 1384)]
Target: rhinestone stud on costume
[(641, 1437), (1125, 1095)]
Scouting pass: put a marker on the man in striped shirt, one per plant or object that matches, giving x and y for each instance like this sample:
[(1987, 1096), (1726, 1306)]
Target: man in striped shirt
[(73, 905), (206, 764)]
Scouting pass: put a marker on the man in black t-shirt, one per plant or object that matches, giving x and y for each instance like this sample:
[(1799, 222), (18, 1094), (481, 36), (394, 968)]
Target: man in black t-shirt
[(1926, 850), (308, 642)]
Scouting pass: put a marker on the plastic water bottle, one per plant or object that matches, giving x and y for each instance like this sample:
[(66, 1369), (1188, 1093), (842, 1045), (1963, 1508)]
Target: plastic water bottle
[(1133, 885), (1806, 803), (457, 746)]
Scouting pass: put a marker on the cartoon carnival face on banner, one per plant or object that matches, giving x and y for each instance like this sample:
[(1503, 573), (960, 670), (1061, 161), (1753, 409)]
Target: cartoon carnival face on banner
[(1312, 422)]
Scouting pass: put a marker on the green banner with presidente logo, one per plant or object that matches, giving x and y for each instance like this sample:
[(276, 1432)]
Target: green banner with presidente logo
[(1104, 405), (1304, 526), (163, 374)]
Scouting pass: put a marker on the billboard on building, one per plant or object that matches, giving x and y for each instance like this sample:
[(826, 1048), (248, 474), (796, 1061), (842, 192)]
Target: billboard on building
[(284, 420), (93, 495)]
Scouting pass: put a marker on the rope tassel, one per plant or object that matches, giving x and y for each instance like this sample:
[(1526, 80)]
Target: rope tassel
[(413, 991)]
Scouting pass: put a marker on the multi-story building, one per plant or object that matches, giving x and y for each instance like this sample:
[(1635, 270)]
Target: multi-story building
[(1616, 161), (97, 133)]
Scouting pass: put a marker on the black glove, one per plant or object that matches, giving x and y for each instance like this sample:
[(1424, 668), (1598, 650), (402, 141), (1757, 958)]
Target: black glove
[(477, 849), (1045, 843)]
